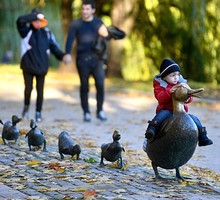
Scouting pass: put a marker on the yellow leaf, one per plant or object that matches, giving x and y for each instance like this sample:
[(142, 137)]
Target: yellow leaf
[(81, 189), (60, 169), (23, 131), (44, 189), (34, 162), (11, 142), (125, 166)]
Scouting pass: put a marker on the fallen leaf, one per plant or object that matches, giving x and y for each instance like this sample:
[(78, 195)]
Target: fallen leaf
[(89, 195), (81, 189), (58, 167), (23, 131), (90, 160), (68, 197), (11, 142), (34, 162)]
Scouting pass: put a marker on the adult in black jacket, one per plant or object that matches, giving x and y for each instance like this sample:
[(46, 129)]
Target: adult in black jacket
[(36, 44), (86, 30)]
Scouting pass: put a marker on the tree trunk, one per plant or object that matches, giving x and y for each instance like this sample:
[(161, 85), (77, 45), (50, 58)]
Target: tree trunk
[(123, 16), (66, 12)]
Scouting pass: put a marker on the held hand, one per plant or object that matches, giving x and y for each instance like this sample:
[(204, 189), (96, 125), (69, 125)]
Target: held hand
[(173, 89), (40, 16), (67, 59)]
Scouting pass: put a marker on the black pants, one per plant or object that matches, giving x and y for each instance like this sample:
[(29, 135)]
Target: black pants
[(86, 67), (28, 81)]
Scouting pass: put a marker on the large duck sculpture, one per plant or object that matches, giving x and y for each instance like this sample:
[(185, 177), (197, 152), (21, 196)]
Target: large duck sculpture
[(177, 138), (10, 130)]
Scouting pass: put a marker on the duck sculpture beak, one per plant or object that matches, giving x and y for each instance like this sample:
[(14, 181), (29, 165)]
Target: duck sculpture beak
[(194, 92)]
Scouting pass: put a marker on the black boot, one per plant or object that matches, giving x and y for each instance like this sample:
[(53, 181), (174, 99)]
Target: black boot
[(203, 139), (151, 130)]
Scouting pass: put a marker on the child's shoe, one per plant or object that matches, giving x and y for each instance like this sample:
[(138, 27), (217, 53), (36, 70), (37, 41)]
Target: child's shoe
[(203, 139), (150, 132)]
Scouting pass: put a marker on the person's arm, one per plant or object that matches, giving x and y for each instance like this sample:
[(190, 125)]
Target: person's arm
[(70, 38), (103, 31), (23, 23), (111, 32), (54, 47), (163, 95), (69, 42)]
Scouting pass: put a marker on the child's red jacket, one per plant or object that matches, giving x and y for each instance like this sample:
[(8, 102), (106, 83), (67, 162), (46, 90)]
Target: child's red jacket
[(163, 95)]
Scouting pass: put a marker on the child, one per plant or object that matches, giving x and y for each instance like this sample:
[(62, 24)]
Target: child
[(165, 84)]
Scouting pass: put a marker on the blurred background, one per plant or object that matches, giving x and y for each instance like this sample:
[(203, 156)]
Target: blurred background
[(185, 31)]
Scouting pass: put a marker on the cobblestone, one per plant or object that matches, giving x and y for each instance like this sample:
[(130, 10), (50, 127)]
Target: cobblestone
[(34, 179)]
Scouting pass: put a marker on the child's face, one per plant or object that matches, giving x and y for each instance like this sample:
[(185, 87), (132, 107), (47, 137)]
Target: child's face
[(172, 78)]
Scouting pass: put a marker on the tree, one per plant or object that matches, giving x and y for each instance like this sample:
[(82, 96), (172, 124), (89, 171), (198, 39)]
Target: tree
[(186, 31), (123, 16), (66, 13)]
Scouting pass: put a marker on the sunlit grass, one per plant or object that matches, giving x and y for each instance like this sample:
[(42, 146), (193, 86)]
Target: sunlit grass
[(59, 78), (71, 79)]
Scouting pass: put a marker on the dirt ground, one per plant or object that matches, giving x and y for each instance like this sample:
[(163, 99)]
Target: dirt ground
[(127, 110)]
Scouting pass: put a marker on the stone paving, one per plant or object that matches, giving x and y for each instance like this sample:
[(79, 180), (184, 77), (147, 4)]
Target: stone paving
[(43, 175)]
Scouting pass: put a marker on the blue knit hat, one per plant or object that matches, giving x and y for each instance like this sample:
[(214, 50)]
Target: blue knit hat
[(167, 67)]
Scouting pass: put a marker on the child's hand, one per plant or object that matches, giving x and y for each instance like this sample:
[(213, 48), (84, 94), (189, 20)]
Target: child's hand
[(173, 89)]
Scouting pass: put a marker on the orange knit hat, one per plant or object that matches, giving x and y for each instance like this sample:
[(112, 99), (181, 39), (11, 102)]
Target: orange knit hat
[(38, 23)]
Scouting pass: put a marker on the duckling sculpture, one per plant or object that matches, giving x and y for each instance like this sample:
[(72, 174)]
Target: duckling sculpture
[(66, 145), (35, 136), (10, 131), (112, 151), (177, 138)]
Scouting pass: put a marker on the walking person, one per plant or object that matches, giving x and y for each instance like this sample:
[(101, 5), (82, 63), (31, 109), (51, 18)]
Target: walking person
[(36, 44), (86, 30)]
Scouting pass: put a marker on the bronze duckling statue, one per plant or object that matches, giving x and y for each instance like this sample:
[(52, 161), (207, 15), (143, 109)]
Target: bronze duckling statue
[(10, 131), (67, 146), (35, 136), (177, 137), (112, 151)]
